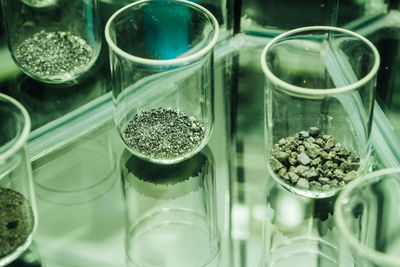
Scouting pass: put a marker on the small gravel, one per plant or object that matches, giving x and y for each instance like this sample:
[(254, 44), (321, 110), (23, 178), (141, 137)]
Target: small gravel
[(311, 161)]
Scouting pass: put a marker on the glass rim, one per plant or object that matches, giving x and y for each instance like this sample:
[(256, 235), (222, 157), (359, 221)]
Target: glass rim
[(159, 62), (319, 91), (23, 134), (365, 251)]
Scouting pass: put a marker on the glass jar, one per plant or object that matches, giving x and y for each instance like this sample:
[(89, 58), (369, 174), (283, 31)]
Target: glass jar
[(319, 96), (367, 217), (161, 58), (18, 219), (53, 41)]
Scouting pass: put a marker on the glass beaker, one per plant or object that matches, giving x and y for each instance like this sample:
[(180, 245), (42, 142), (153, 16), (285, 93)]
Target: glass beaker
[(319, 95), (161, 58), (368, 218), (171, 212), (18, 219), (53, 41)]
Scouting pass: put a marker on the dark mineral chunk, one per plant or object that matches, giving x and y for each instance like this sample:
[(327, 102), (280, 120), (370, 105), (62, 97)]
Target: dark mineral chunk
[(311, 174), (282, 157), (303, 159), (276, 165), (293, 177), (303, 184), (314, 185), (303, 134), (314, 131), (349, 176)]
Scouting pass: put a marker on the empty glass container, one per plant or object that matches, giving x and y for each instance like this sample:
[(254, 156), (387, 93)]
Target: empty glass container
[(319, 96), (368, 219), (53, 41), (18, 220), (161, 57)]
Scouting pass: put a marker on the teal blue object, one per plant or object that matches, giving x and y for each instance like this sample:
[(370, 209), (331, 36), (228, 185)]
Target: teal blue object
[(167, 29)]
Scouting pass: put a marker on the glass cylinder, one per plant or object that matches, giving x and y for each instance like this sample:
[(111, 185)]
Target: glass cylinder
[(368, 218), (18, 220), (319, 95), (171, 212), (161, 58), (53, 41)]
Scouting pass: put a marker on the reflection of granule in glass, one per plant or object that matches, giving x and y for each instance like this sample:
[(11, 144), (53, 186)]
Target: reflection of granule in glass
[(165, 181), (311, 161), (16, 220)]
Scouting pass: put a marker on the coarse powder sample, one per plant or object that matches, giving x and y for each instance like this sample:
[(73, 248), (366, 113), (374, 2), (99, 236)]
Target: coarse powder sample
[(53, 54), (16, 220), (163, 133), (311, 161)]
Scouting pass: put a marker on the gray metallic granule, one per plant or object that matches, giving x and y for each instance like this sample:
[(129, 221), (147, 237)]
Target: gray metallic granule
[(310, 161), (16, 220), (163, 133), (53, 54)]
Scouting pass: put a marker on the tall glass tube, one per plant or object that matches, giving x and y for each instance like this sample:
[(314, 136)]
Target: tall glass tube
[(161, 58), (319, 96), (18, 220), (53, 41), (368, 218)]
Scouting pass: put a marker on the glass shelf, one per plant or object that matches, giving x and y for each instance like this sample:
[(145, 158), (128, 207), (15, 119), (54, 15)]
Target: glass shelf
[(73, 137)]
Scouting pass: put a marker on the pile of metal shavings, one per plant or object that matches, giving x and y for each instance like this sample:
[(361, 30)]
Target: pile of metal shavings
[(163, 133), (311, 161), (16, 220), (47, 54)]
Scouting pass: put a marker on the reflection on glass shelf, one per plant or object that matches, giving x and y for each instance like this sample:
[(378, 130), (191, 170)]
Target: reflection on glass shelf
[(80, 203), (46, 103)]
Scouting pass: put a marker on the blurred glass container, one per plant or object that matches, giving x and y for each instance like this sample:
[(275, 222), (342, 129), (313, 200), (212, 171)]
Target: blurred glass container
[(53, 41), (265, 16), (171, 212), (221, 9), (18, 218), (368, 218), (321, 77), (163, 77)]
